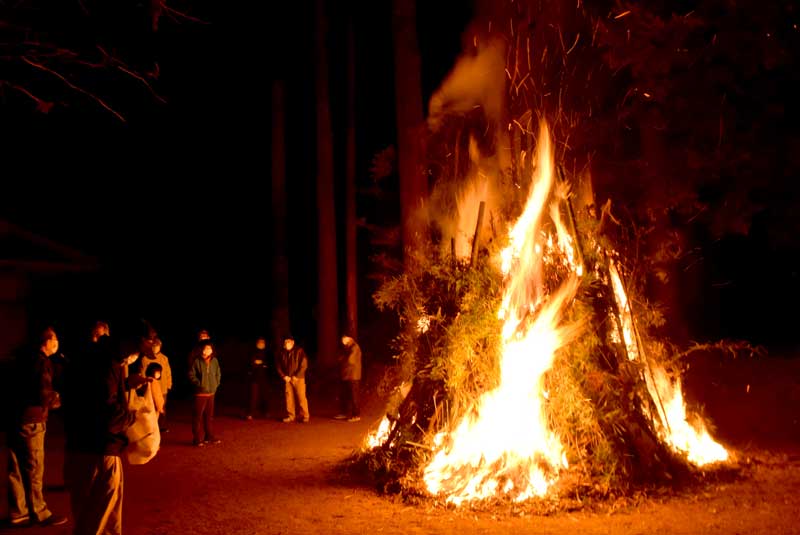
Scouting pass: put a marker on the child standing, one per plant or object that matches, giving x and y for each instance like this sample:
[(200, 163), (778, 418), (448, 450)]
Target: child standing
[(205, 377)]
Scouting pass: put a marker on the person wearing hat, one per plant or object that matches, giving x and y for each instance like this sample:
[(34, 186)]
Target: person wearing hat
[(291, 364)]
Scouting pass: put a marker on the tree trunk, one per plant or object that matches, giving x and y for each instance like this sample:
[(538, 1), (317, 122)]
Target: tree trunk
[(408, 98), (350, 188), (328, 309), (279, 320)]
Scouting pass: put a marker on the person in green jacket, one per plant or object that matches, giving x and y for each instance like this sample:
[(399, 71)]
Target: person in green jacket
[(205, 376)]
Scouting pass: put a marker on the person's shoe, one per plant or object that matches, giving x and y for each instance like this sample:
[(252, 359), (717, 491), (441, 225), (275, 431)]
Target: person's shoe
[(354, 419), (19, 522), (288, 420), (340, 417), (53, 520), (213, 441), (304, 420), (199, 444), (248, 417)]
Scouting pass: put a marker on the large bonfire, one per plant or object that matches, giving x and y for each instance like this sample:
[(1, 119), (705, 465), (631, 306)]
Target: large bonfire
[(527, 370)]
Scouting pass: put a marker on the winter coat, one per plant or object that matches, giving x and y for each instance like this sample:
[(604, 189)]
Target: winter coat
[(97, 414), (205, 377), (166, 372), (350, 363), (258, 366), (33, 382), (292, 363)]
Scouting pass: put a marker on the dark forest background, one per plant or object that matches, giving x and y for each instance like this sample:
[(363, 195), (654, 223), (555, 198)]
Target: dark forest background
[(143, 135)]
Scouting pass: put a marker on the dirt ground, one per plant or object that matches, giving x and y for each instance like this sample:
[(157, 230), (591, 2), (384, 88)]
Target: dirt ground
[(267, 477)]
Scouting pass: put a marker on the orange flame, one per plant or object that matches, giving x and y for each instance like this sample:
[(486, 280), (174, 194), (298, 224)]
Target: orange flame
[(504, 446), (671, 421), (379, 435)]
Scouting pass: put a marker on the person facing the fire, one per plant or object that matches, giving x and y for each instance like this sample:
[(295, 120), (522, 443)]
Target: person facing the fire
[(205, 377), (291, 364), (258, 379), (350, 373)]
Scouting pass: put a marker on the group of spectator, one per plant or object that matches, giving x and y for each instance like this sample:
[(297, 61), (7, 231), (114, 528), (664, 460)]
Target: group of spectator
[(291, 364), (92, 389)]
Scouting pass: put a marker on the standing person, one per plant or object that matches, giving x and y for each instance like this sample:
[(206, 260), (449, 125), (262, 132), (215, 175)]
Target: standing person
[(291, 365), (164, 378), (96, 436), (205, 376), (33, 401), (350, 372), (259, 380), (92, 358)]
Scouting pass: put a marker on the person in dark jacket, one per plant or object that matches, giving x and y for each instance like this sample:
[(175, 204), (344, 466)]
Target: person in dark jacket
[(98, 417), (291, 364), (205, 376), (350, 373), (258, 378), (34, 399)]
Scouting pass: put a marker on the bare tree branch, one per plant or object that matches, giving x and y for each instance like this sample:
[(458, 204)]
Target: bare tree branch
[(75, 87), (42, 105)]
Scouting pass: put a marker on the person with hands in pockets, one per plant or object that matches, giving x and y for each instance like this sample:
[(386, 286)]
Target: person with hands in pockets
[(291, 364), (205, 376)]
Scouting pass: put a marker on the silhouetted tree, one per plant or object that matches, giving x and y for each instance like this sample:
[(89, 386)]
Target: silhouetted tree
[(328, 309), (408, 109), (350, 223), (280, 262)]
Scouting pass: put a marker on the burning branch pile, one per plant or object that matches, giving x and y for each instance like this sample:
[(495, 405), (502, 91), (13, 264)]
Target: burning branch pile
[(529, 374), (527, 350)]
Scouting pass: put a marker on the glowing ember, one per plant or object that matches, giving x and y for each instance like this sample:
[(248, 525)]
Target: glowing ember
[(504, 446), (423, 324)]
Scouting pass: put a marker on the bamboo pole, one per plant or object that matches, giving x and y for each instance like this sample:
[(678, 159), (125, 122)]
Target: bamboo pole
[(474, 255), (573, 225), (640, 348)]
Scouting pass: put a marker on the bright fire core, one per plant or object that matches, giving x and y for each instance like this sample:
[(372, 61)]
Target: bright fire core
[(503, 446)]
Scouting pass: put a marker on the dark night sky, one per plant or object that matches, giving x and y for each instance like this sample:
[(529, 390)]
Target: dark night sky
[(175, 204)]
